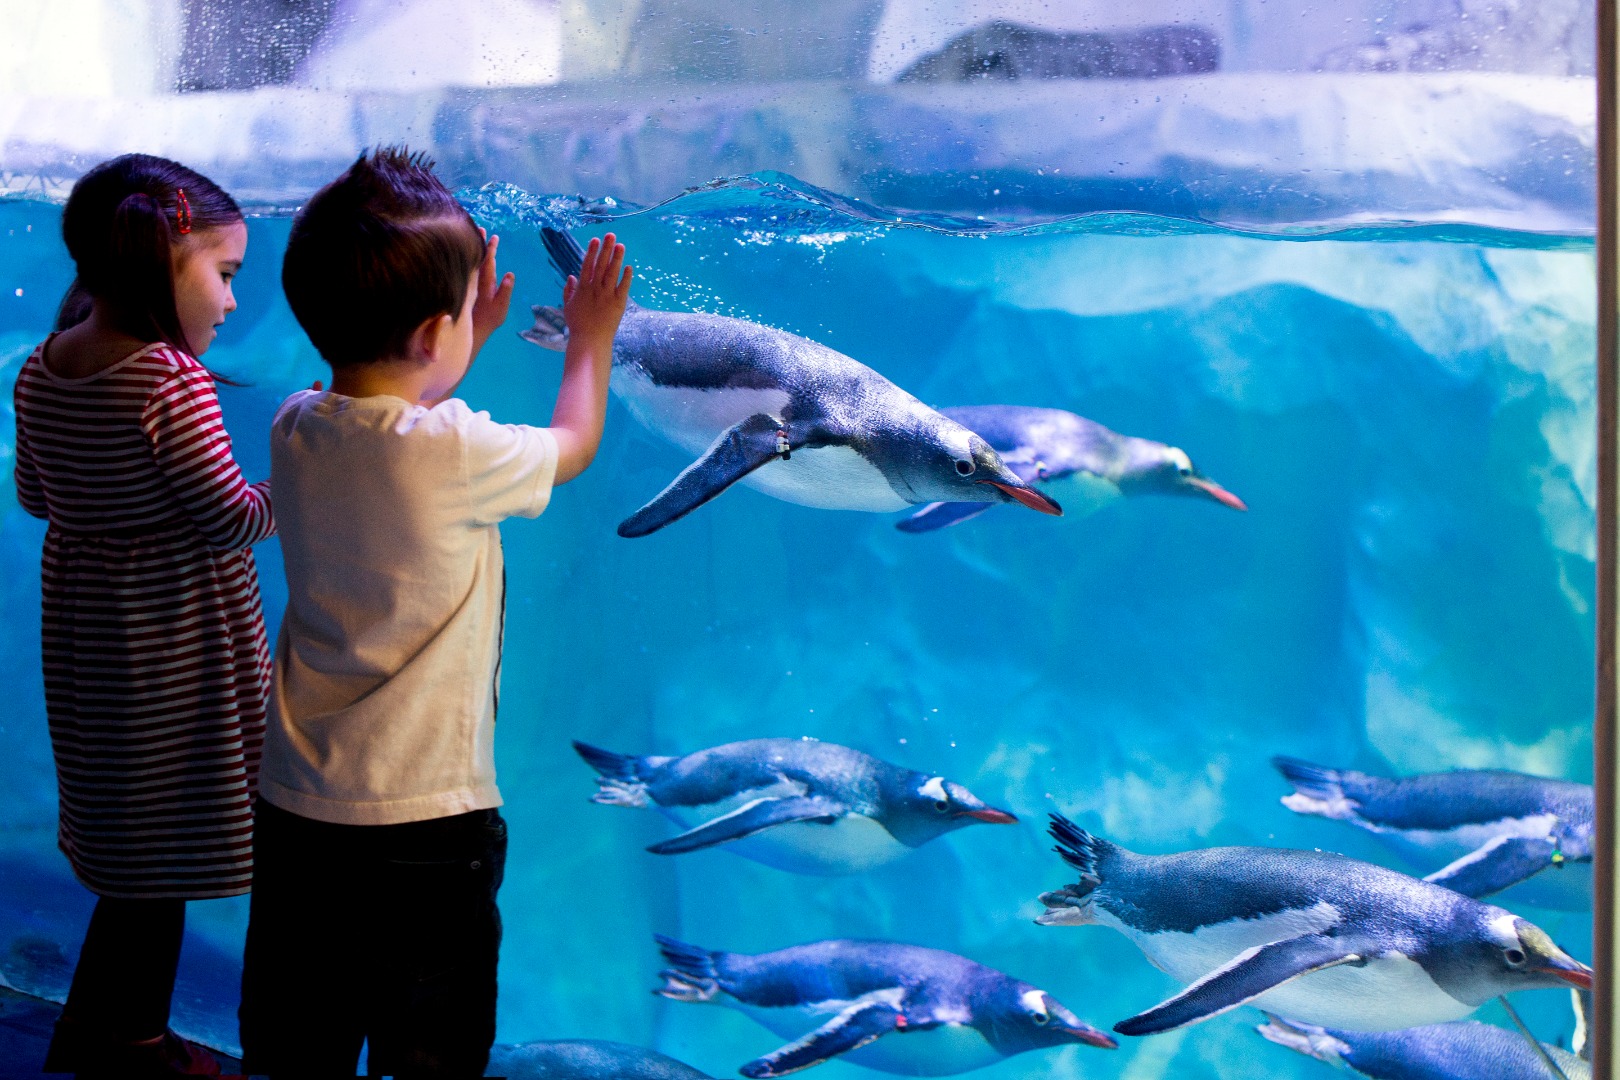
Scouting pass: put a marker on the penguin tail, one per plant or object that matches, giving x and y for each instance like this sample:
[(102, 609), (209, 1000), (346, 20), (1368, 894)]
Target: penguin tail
[(609, 764), (691, 975), (1080, 850), (620, 782), (1317, 790)]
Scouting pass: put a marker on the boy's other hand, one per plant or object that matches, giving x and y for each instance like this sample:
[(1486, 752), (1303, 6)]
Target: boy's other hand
[(493, 300), (594, 302)]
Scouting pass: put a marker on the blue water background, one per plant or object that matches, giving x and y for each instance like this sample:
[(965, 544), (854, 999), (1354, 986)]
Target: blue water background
[(1407, 413)]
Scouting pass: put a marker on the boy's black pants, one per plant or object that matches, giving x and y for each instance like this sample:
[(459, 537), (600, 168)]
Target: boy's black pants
[(386, 933)]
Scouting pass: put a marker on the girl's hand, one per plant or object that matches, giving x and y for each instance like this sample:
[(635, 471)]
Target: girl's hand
[(493, 301), (594, 302)]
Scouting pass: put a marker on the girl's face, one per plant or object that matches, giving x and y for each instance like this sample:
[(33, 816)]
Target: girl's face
[(204, 265)]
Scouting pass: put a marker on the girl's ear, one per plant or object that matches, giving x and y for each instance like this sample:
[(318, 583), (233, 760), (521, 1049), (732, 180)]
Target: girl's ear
[(427, 338)]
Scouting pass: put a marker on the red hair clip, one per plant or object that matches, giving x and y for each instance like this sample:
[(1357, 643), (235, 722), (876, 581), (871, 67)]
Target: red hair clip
[(182, 211)]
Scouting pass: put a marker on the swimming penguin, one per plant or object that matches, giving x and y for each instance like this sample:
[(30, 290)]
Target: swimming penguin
[(1078, 461), (783, 414), (801, 805), (1310, 935), (946, 1013), (1488, 829), (586, 1059), (1465, 1050)]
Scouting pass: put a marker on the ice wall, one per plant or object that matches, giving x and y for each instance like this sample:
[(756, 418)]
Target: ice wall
[(1409, 422), (1478, 110), (1274, 151)]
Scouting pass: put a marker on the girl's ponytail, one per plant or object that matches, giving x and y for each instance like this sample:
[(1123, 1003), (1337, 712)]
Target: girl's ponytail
[(74, 308), (121, 224), (139, 276)]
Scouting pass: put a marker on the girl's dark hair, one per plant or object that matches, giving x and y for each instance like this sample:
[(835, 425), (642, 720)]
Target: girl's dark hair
[(375, 253), (121, 223)]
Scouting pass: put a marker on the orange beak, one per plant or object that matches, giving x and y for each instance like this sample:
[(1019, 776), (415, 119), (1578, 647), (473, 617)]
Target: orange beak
[(1216, 492), (1029, 497)]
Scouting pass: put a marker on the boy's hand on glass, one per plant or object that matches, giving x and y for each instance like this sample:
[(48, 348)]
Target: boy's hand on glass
[(493, 300), (594, 301)]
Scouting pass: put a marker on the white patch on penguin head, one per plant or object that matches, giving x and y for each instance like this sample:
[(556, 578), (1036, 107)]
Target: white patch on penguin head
[(1034, 1002), (934, 789), (1503, 930), (1178, 458)]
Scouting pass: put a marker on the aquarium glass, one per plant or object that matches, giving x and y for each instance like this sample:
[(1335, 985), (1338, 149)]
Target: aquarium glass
[(1340, 255)]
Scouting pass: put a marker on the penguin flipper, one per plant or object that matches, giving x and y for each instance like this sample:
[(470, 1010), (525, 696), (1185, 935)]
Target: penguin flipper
[(749, 819), (739, 450), (1242, 979), (1504, 861), (861, 1023), (939, 515)]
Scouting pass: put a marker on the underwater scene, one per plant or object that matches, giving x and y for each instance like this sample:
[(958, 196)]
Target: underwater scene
[(798, 674)]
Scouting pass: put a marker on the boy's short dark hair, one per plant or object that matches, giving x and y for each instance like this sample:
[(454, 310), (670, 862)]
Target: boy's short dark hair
[(374, 254)]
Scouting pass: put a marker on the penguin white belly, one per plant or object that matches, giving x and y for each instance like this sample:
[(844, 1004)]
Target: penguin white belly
[(939, 1051), (1434, 848), (689, 417), (1188, 957), (1081, 493), (828, 477), (850, 845), (1385, 994)]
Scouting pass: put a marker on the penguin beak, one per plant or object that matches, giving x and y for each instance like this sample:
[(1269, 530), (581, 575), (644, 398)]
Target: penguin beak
[(1569, 969), (1090, 1036), (992, 815), (1071, 1025), (1205, 486), (1028, 496), (1552, 960)]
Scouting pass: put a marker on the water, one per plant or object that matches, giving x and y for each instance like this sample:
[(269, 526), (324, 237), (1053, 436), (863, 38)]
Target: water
[(1408, 414)]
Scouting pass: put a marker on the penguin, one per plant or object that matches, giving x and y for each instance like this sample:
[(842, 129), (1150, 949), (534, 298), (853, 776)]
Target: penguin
[(783, 414), (1082, 464), (586, 1059), (1487, 829), (944, 1013), (1464, 1050), (801, 805), (1313, 936)]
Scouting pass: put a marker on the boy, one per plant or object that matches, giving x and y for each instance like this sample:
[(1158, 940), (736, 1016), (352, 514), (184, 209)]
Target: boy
[(378, 845)]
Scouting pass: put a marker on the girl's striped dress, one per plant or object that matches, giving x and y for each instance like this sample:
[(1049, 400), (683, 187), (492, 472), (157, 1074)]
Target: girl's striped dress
[(156, 664)]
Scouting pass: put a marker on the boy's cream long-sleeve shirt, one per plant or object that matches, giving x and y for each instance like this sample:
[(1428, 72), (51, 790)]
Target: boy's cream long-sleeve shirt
[(383, 700)]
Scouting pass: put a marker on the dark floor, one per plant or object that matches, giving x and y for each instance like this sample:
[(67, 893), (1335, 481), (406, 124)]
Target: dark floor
[(25, 1028)]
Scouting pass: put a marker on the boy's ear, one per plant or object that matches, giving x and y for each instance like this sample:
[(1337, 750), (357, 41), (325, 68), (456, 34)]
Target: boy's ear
[(427, 337)]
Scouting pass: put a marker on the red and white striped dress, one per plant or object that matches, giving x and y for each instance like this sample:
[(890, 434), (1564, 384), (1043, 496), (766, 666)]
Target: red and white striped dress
[(156, 664)]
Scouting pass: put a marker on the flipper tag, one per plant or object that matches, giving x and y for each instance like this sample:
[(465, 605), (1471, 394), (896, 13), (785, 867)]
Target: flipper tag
[(783, 447)]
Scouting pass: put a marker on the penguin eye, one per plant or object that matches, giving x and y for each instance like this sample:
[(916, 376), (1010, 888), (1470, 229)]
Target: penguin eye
[(964, 467), (1041, 1019), (942, 805), (1514, 957)]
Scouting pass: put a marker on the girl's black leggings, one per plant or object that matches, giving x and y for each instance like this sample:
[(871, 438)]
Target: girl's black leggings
[(125, 977)]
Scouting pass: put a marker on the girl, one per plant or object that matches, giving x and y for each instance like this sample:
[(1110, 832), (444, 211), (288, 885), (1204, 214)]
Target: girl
[(156, 665)]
